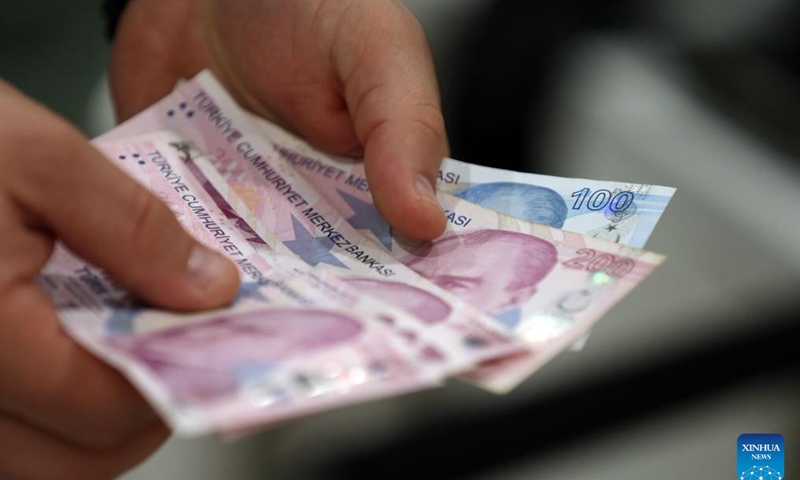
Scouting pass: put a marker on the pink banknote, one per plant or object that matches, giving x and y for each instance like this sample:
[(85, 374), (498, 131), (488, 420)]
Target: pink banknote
[(285, 269), (255, 181), (282, 349), (547, 286)]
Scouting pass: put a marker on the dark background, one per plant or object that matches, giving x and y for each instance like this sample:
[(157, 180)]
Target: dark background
[(698, 95)]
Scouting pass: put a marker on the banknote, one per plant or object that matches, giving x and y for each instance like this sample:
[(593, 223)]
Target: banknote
[(548, 289), (401, 318), (271, 197), (624, 213), (280, 350), (618, 212), (547, 286), (551, 288), (341, 181)]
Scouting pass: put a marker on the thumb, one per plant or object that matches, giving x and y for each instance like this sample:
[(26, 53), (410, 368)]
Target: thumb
[(108, 219), (393, 98)]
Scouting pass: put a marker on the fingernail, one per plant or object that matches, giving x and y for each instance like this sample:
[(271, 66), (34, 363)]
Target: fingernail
[(425, 190), (207, 269)]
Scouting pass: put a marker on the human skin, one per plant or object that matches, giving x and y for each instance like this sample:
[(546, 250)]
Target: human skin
[(353, 76), (58, 402)]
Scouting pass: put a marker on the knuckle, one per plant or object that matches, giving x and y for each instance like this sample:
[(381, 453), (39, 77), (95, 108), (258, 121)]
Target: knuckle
[(429, 117)]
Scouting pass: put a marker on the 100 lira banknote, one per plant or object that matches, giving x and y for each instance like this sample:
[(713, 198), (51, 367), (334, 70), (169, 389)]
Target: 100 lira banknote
[(624, 213)]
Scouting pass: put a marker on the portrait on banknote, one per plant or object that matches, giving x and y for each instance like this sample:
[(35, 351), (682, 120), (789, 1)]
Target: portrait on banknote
[(532, 203), (493, 270), (205, 361)]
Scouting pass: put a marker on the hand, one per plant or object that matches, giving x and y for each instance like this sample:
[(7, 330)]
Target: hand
[(63, 413), (355, 77)]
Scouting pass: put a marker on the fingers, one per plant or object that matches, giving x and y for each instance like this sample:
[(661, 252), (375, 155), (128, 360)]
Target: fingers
[(46, 378), (52, 383), (351, 77), (27, 453), (392, 94), (154, 47), (53, 184), (108, 219), (275, 59)]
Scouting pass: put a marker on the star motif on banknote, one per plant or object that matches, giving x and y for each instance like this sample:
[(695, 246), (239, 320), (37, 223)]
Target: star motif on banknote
[(366, 217), (313, 250), (250, 290)]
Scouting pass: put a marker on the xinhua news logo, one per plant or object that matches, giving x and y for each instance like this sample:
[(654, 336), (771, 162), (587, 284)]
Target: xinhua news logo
[(760, 456)]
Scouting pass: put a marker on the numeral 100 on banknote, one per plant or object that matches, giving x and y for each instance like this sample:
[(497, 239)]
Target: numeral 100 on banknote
[(602, 199)]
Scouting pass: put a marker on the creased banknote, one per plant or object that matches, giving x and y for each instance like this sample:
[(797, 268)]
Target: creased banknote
[(408, 320), (547, 286), (544, 285), (283, 348), (271, 197), (548, 296)]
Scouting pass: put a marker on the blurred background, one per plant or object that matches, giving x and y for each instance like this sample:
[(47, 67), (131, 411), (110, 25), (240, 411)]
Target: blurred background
[(701, 95)]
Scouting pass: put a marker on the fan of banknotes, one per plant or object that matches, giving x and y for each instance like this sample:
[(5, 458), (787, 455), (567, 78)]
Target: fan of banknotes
[(334, 308)]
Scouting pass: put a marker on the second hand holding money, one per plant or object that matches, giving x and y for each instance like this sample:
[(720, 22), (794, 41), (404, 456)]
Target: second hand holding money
[(355, 78), (56, 400)]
